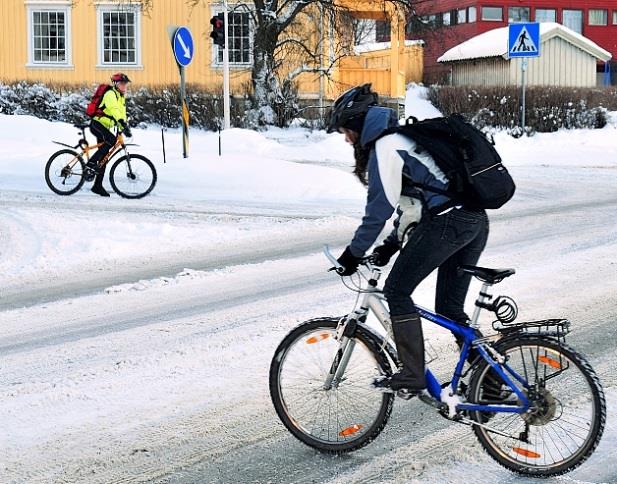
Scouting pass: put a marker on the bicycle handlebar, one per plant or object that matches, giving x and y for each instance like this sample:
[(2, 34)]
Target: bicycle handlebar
[(365, 261), (331, 258)]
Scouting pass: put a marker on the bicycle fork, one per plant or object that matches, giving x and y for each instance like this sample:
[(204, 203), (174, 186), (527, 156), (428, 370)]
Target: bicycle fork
[(344, 334), (339, 365)]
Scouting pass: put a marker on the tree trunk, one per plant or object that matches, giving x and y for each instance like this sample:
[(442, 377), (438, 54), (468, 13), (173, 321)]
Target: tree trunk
[(265, 83)]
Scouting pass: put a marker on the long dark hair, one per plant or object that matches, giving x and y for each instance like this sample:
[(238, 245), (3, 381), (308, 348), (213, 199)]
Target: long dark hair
[(361, 155)]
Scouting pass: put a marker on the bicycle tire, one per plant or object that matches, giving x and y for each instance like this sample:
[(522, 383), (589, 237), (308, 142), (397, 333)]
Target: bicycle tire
[(133, 176), (78, 175), (549, 420), (350, 432)]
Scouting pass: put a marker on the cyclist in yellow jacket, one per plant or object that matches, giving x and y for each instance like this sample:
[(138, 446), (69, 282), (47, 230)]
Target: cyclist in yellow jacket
[(114, 109)]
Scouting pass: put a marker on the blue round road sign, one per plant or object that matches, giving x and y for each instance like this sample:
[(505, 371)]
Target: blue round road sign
[(183, 46)]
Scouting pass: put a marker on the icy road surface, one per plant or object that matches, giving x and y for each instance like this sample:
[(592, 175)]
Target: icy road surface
[(165, 379)]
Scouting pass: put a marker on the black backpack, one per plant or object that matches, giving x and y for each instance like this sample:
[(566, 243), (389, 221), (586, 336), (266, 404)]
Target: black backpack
[(469, 160)]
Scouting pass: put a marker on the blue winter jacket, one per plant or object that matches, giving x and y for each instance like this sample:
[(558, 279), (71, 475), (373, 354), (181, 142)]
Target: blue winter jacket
[(390, 157)]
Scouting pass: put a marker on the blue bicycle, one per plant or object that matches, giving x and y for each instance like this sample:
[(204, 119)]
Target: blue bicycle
[(535, 404)]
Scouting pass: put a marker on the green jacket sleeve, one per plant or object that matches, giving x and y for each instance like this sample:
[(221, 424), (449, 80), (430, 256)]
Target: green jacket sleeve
[(114, 106)]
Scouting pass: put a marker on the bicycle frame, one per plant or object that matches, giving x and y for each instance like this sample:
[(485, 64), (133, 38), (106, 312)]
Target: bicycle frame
[(86, 148), (373, 301)]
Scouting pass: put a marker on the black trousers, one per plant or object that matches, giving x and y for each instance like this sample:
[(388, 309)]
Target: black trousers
[(105, 136), (446, 241), (443, 241)]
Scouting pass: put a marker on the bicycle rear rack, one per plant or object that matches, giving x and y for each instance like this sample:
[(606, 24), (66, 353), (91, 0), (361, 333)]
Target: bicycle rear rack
[(556, 328)]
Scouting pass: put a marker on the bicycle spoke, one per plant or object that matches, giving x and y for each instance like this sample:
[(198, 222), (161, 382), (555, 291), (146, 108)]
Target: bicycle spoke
[(344, 412), (560, 420)]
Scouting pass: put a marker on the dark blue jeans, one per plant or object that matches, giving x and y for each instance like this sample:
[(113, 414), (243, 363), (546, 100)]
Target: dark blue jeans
[(446, 241)]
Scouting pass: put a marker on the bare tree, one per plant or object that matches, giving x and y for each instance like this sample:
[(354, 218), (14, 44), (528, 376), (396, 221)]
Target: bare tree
[(288, 42)]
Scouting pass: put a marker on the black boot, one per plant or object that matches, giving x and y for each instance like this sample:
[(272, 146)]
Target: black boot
[(90, 171), (98, 185), (407, 332)]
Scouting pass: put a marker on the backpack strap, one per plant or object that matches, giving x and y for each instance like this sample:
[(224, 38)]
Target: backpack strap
[(407, 180), (101, 106)]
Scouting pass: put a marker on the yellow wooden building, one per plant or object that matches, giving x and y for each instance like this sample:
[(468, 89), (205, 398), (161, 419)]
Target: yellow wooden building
[(85, 41)]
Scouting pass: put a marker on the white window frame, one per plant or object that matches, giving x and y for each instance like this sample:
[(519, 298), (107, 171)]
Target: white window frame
[(591, 20), (543, 9), (472, 14), (111, 7), (566, 11), (485, 9), (216, 9), (518, 9), (63, 6)]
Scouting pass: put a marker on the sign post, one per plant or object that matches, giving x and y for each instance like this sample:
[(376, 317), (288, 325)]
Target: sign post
[(182, 44), (523, 42), (226, 114)]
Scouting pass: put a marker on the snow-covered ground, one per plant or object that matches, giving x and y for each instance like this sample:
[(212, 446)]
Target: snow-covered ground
[(136, 335)]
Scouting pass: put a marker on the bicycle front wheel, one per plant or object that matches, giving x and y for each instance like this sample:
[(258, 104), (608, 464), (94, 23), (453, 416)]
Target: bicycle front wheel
[(64, 172), (567, 415), (347, 415), (132, 176)]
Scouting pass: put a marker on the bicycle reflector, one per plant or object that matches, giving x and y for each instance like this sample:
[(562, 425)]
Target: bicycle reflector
[(351, 430), (549, 362), (526, 453), (317, 339), (218, 29)]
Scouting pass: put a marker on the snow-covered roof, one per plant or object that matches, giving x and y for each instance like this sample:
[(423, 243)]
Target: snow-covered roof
[(494, 43)]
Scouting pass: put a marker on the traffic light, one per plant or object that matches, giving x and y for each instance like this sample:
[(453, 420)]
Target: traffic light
[(218, 29)]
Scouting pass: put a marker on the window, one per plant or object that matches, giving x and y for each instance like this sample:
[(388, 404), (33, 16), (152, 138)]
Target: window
[(239, 37), (614, 17), (471, 14), (518, 14), (492, 14), (447, 18), (461, 16), (119, 36), (382, 31), (546, 15), (598, 17), (573, 19), (48, 35)]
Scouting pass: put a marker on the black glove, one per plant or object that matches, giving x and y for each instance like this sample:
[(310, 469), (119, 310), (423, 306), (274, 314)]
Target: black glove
[(383, 253), (349, 262), (125, 128)]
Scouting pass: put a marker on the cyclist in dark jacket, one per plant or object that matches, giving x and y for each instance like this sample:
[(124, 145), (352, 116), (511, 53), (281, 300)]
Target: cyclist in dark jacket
[(114, 108), (431, 231)]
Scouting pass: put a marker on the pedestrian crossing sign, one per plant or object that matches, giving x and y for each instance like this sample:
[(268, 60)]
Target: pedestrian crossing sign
[(524, 40)]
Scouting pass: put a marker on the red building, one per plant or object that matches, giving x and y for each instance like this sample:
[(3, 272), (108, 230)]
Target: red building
[(442, 24)]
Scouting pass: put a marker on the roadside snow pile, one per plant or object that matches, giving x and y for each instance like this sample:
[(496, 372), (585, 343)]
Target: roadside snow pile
[(252, 168), (185, 275)]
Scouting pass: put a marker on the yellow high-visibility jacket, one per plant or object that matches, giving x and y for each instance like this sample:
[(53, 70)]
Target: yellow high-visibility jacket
[(113, 105)]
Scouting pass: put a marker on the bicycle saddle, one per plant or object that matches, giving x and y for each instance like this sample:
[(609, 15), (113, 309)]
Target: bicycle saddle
[(81, 126), (492, 276)]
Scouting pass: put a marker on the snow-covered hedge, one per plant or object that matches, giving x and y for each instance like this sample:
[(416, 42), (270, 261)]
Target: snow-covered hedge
[(548, 108), (160, 105)]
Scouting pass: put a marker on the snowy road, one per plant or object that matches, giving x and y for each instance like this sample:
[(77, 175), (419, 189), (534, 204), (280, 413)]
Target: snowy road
[(166, 380)]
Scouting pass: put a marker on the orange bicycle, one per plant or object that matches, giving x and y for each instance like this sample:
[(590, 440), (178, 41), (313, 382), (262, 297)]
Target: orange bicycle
[(131, 176)]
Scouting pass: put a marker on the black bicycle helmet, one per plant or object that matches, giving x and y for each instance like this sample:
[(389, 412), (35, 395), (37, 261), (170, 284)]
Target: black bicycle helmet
[(351, 105)]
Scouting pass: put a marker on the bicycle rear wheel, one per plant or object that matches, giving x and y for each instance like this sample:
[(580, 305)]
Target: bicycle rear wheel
[(346, 416), (64, 172), (567, 415), (132, 176)]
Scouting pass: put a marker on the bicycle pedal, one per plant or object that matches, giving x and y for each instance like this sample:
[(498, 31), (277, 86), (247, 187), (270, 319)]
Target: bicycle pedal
[(407, 394)]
